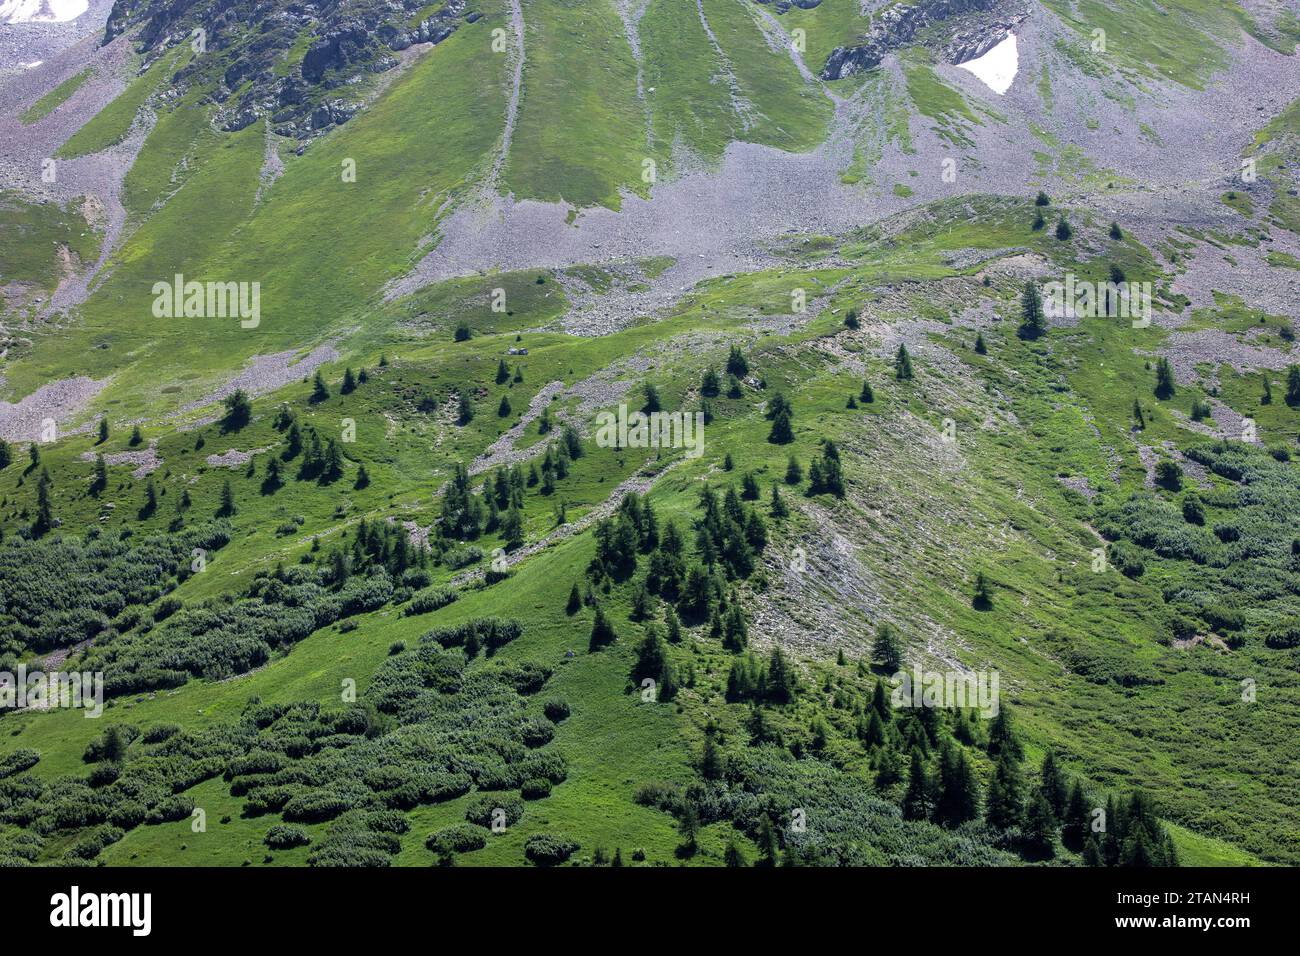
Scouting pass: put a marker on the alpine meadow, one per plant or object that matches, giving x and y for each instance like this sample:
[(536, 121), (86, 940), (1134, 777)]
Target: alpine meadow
[(649, 433)]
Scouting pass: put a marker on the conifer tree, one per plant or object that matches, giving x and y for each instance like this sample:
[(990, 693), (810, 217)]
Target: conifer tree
[(1033, 323), (1039, 827), (45, 519), (958, 792), (1165, 388), (887, 651), (1004, 805), (918, 801), (793, 471), (99, 482), (782, 433), (319, 391), (1077, 821), (227, 508), (903, 364), (1052, 783), (602, 631)]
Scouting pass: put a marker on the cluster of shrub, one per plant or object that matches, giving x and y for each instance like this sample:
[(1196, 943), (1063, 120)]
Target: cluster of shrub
[(66, 590), (62, 589), (1233, 575), (428, 729)]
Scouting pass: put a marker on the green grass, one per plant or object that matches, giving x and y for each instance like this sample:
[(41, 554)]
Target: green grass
[(940, 102), (1182, 41), (31, 235), (55, 98), (580, 136), (112, 124)]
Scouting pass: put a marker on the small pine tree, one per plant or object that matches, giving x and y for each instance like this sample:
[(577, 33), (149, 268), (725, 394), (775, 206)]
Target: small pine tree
[(575, 601), (503, 372), (1293, 385), (1041, 199), (363, 478), (1115, 231), (99, 482), (918, 801), (349, 382), (1052, 785), (1004, 803), (782, 433), (737, 364), (652, 403), (1032, 322), (903, 364), (1165, 388), (462, 333), (602, 631), (45, 520), (887, 651), (227, 508), (1063, 230), (779, 508), (1039, 222), (319, 391), (503, 410), (239, 410), (793, 471), (1138, 417), (103, 431), (136, 437), (983, 597), (866, 396), (980, 347)]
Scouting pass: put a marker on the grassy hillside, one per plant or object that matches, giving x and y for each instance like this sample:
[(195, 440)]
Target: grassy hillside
[(395, 600)]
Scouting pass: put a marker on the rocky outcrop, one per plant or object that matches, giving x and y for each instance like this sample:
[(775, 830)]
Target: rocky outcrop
[(959, 30), (246, 42), (781, 6)]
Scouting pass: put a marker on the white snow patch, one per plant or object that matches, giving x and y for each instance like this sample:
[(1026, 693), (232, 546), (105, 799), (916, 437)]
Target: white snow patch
[(31, 66), (996, 68), (41, 11)]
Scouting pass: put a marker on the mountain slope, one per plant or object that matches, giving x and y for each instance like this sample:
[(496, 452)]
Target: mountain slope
[(530, 221)]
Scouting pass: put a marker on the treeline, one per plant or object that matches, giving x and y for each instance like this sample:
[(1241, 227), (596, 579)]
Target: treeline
[(498, 505), (924, 765)]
